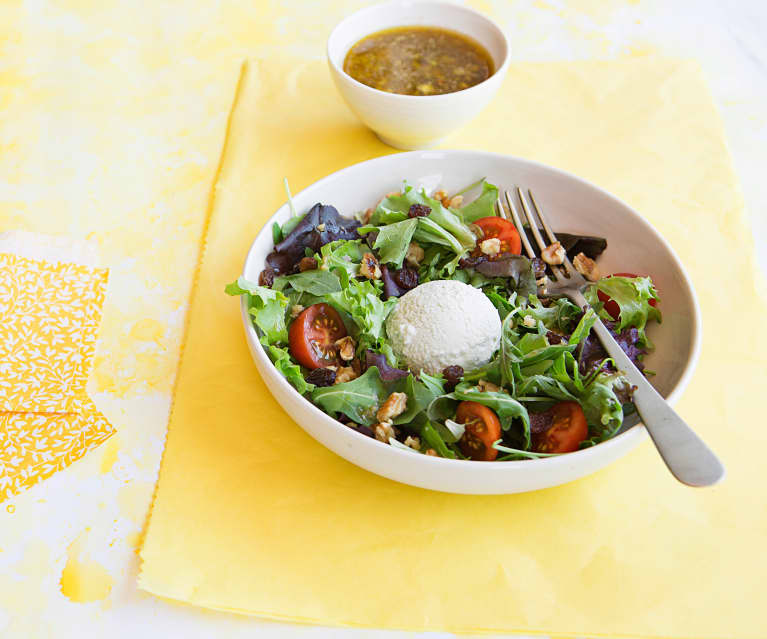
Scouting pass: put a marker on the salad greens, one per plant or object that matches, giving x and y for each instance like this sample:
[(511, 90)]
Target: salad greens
[(547, 356)]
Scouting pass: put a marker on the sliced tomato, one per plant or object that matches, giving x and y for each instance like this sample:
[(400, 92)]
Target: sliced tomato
[(568, 429), (611, 306), (313, 334), (482, 429), (504, 230)]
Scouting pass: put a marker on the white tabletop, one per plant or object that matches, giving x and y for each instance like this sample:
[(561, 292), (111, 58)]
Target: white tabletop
[(728, 39)]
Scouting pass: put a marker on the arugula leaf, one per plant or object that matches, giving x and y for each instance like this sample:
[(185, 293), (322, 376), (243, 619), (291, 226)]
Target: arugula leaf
[(583, 328), (419, 396), (393, 241), (559, 316), (266, 306), (632, 295), (358, 399), (316, 282), (290, 370), (430, 438), (483, 206), (505, 406)]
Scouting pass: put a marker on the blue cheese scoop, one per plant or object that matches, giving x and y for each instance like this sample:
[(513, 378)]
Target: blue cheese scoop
[(444, 323)]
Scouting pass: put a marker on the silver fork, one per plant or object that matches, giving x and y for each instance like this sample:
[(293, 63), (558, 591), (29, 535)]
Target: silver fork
[(686, 455)]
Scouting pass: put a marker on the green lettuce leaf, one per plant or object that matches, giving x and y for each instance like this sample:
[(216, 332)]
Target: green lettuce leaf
[(316, 282), (393, 241), (633, 295), (483, 206), (289, 369), (266, 306), (345, 255), (361, 301)]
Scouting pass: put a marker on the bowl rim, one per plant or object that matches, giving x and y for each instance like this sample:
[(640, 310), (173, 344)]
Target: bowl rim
[(627, 439), (498, 73)]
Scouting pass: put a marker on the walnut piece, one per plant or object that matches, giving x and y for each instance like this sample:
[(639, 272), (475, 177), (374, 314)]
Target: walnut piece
[(346, 348), (586, 267), (442, 196), (490, 247), (413, 442), (553, 254), (345, 374), (456, 201), (529, 321), (414, 255), (383, 432), (296, 310), (369, 267), (393, 407), (488, 387), (431, 453)]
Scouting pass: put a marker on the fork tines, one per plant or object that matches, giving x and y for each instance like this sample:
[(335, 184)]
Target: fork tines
[(532, 210)]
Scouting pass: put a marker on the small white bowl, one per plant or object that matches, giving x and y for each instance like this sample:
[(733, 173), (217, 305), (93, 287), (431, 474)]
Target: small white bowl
[(571, 204), (410, 121)]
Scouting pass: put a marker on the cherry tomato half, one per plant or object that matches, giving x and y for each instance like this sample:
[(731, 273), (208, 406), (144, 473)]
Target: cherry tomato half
[(504, 230), (568, 429), (611, 306), (482, 429), (313, 334)]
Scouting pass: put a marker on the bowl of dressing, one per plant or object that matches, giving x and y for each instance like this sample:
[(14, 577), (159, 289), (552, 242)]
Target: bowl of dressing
[(414, 72)]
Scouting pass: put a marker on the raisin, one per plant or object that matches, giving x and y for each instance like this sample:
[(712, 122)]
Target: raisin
[(452, 375), (266, 278), (418, 210), (307, 264), (406, 278), (555, 338), (321, 377)]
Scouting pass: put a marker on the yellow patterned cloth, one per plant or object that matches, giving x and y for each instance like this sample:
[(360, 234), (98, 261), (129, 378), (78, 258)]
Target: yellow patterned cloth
[(49, 319)]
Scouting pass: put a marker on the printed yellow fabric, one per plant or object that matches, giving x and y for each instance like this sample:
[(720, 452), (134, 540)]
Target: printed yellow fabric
[(276, 525), (33, 446), (49, 319)]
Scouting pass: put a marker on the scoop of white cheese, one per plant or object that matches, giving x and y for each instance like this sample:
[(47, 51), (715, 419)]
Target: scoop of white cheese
[(444, 323)]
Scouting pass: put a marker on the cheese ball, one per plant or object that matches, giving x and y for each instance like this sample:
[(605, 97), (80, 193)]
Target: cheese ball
[(444, 323)]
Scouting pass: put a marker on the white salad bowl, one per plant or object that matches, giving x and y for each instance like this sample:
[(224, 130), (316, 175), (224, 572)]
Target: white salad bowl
[(572, 205), (416, 121)]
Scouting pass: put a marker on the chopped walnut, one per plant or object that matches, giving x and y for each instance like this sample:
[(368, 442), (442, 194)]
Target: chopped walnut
[(553, 254), (586, 267), (393, 407), (529, 321), (346, 348), (320, 227), (414, 254), (345, 374), (369, 267), (431, 453), (296, 310), (488, 387), (477, 230), (442, 196), (456, 201), (413, 442), (307, 264), (383, 432), (490, 247)]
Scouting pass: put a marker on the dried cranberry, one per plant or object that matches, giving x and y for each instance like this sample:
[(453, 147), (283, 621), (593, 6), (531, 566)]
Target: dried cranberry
[(453, 375), (266, 278), (418, 210), (406, 278), (321, 377), (555, 338)]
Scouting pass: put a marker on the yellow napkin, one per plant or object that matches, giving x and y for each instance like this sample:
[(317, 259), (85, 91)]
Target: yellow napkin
[(252, 515), (49, 317)]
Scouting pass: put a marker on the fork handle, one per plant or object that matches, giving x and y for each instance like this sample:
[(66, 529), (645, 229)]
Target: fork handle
[(686, 455)]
